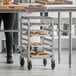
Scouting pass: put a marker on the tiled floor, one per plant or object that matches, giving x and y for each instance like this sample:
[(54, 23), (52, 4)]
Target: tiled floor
[(37, 67)]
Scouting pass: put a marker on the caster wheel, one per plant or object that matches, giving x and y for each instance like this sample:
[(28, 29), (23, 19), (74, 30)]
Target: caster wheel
[(44, 62), (53, 65), (22, 62), (29, 66)]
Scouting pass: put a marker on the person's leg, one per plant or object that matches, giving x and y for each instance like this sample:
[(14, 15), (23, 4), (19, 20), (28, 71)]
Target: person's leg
[(0, 20), (0, 32), (8, 19), (15, 34)]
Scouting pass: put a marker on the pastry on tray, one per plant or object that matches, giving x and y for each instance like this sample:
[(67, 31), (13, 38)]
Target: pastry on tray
[(35, 6), (53, 2), (37, 33), (12, 7), (37, 43), (38, 53)]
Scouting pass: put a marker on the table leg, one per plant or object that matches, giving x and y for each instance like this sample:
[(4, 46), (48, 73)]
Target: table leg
[(70, 38), (59, 37)]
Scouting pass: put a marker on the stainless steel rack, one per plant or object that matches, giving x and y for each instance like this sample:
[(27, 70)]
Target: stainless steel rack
[(43, 41)]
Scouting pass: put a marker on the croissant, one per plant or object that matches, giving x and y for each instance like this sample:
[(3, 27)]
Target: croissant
[(7, 1)]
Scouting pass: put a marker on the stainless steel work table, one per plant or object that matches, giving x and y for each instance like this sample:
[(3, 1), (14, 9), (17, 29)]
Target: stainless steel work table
[(59, 9), (54, 8)]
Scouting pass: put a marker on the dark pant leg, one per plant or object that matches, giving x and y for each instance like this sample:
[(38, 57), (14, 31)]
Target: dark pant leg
[(0, 20), (8, 19), (15, 34)]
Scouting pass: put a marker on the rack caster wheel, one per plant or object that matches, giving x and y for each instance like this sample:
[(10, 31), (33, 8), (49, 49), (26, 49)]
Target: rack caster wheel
[(53, 65), (29, 66), (22, 62), (44, 62)]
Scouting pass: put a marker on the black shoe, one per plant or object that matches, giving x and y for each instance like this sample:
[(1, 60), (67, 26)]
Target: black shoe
[(9, 61)]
